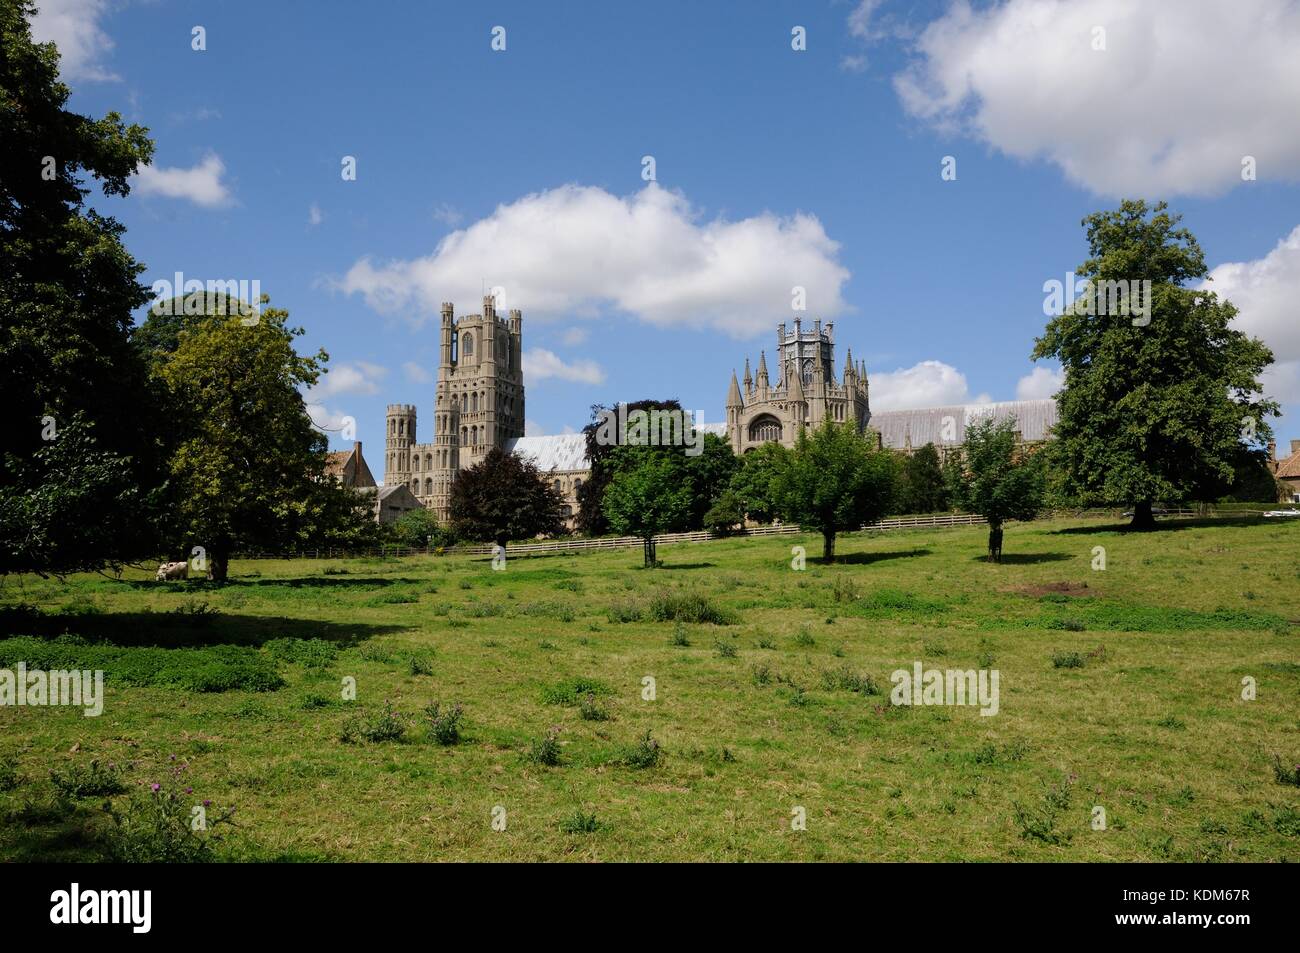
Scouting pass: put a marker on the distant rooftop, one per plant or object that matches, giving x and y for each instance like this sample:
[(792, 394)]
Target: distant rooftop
[(1034, 420)]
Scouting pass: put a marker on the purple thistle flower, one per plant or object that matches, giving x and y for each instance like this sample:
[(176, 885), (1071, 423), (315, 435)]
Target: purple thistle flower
[(189, 790), (207, 803), (155, 787)]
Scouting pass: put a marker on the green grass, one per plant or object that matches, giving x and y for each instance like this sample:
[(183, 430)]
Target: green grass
[(771, 688)]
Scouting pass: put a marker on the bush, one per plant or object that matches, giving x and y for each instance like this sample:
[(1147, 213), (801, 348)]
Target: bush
[(590, 710), (679, 637), (1067, 660), (420, 665), (724, 649), (92, 780), (160, 828), (546, 750), (624, 612), (1285, 775), (580, 823), (689, 607), (444, 723), (847, 680), (804, 639), (643, 754), (384, 725), (312, 653), (570, 691)]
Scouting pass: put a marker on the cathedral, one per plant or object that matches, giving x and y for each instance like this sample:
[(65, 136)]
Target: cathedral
[(479, 405)]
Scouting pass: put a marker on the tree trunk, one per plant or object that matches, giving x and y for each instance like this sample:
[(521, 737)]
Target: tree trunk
[(995, 542), (1142, 517), (218, 566), (828, 547), (650, 561)]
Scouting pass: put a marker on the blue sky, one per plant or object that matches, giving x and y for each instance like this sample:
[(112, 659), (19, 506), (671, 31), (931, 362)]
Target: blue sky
[(523, 168)]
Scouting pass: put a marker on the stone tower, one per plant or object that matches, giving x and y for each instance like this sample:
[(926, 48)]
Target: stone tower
[(478, 404), (400, 439)]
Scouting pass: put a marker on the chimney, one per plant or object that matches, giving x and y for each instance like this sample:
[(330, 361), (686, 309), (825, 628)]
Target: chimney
[(356, 448)]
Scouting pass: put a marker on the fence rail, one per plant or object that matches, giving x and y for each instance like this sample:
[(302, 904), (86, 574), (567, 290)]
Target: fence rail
[(627, 542)]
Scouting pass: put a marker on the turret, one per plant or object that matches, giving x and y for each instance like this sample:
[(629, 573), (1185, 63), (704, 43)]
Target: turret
[(399, 438), (749, 381), (763, 383), (445, 334)]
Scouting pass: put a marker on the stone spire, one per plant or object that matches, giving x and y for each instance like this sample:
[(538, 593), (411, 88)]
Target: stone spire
[(749, 381), (763, 383), (733, 392), (848, 363)]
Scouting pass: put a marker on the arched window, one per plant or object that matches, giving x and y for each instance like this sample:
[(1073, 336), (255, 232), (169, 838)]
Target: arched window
[(473, 403), (473, 435), (467, 345), (577, 484), (505, 353), (764, 428), (464, 436), (428, 488), (558, 487), (428, 461)]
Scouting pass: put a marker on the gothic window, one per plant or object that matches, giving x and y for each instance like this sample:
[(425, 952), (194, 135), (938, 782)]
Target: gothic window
[(467, 345), (428, 488), (464, 436), (473, 404), (765, 428), (428, 461), (505, 353), (557, 487)]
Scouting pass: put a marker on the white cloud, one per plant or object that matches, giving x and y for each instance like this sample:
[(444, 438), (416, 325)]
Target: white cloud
[(539, 364), (355, 377), (1183, 91), (201, 184), (926, 384), (856, 63), (1266, 292), (1039, 383), (572, 250), (574, 336), (314, 215), (73, 26), (860, 24), (417, 373)]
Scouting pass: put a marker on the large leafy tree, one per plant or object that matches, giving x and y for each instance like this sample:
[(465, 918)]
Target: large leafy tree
[(1154, 407), (504, 497), (648, 494), (754, 483), (921, 483), (248, 471), (707, 475), (591, 495), (80, 459), (835, 481), (1002, 482)]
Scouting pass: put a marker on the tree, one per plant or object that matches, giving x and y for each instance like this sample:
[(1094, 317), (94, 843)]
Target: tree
[(591, 495), (921, 482), (417, 528), (1155, 406), (707, 474), (754, 483), (504, 497), (725, 514), (647, 495), (1001, 483), (249, 469), (835, 481), (81, 464)]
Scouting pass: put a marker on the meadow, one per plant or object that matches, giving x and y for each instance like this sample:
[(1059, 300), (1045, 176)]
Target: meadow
[(1120, 688)]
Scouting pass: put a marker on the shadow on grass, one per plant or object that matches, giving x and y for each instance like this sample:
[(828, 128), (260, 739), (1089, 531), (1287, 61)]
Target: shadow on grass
[(296, 582), (1026, 559), (1165, 526), (173, 630), (686, 566), (863, 559)]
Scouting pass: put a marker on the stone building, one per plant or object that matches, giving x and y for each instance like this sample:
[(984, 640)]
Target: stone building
[(1287, 473), (805, 395), (349, 467)]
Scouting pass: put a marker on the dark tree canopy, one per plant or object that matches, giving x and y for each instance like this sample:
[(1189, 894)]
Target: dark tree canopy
[(1156, 411), (81, 460), (921, 487), (1002, 482), (504, 497), (754, 483), (591, 496)]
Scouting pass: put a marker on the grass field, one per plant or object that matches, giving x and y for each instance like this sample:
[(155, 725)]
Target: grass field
[(1119, 689)]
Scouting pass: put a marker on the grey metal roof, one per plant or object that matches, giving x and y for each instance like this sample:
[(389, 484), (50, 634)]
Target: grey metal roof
[(1034, 420)]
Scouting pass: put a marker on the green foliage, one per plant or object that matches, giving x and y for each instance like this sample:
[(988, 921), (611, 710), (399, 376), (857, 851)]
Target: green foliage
[(1067, 660), (648, 494), (419, 529), (1002, 484), (1153, 412), (1038, 821), (754, 484), (726, 514), (161, 828), (835, 481), (570, 691), (10, 779), (545, 750), (88, 780), (384, 725), (592, 710), (443, 723), (80, 460), (504, 497), (689, 607), (580, 822), (312, 653), (249, 468), (921, 484), (591, 518), (1285, 774), (644, 754), (844, 679)]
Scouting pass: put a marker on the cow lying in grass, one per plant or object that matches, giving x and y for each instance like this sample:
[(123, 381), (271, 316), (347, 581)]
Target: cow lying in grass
[(172, 571)]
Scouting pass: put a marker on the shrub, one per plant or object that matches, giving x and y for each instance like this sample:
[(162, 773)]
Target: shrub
[(689, 607), (546, 750), (624, 612), (384, 725), (92, 780), (1067, 660), (679, 636), (804, 639), (765, 643), (643, 754), (847, 680), (9, 776), (761, 674), (160, 828), (312, 653), (725, 649), (580, 822), (197, 614), (420, 665), (1285, 775), (1039, 822), (591, 710), (443, 723)]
